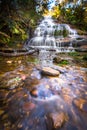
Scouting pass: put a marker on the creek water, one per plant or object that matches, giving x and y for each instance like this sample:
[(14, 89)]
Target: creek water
[(31, 100)]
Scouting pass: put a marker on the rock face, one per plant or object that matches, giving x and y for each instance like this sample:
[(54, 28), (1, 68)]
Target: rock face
[(56, 120), (82, 48), (49, 71)]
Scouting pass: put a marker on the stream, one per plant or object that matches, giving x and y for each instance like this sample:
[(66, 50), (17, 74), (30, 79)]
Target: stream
[(37, 94)]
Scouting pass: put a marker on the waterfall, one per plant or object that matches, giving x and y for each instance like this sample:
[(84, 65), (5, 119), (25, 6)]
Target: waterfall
[(50, 35)]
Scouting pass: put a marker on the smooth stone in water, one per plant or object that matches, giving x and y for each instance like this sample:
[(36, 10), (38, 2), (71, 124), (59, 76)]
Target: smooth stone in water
[(49, 71), (56, 120), (34, 93), (81, 104), (1, 112), (28, 106)]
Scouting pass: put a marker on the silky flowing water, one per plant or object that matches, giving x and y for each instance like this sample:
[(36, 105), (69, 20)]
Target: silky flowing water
[(31, 100), (50, 35)]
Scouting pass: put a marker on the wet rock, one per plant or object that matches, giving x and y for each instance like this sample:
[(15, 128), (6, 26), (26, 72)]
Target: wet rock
[(30, 83), (3, 94), (84, 69), (28, 106), (81, 104), (36, 74), (59, 68), (5, 116), (56, 120), (19, 95), (1, 112), (49, 71), (82, 48), (34, 92), (57, 59), (12, 83), (67, 98), (23, 77), (62, 61)]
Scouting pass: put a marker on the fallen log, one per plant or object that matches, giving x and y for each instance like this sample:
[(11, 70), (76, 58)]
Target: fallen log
[(17, 53)]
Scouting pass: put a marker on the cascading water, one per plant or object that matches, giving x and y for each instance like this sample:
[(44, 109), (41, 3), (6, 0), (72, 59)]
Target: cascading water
[(50, 36)]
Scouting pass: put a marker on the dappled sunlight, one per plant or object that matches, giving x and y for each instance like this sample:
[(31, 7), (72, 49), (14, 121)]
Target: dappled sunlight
[(55, 12)]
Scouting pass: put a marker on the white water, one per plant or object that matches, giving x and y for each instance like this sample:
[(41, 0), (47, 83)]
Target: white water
[(44, 36)]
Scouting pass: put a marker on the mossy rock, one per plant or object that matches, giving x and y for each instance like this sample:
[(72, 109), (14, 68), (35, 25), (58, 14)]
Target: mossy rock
[(60, 61), (57, 59)]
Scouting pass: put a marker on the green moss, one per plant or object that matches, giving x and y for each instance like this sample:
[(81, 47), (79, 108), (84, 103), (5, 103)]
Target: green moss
[(65, 33), (33, 60), (63, 62)]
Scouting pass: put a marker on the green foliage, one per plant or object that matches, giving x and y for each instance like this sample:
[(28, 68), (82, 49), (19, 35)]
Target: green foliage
[(16, 17), (57, 32), (76, 15), (65, 33), (63, 62), (73, 54), (33, 60)]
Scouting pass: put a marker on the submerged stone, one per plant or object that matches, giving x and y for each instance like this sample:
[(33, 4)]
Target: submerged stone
[(34, 92), (81, 104), (1, 112), (28, 106), (56, 120)]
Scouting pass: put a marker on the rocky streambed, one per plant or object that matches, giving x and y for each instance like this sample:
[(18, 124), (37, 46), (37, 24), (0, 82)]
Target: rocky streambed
[(42, 97)]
